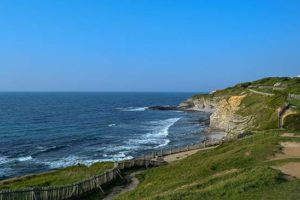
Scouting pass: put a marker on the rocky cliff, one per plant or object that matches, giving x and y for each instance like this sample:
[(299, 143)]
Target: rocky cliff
[(224, 112)]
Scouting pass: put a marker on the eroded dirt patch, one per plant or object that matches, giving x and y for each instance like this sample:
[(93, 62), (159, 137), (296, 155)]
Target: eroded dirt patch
[(289, 150), (291, 169), (248, 153)]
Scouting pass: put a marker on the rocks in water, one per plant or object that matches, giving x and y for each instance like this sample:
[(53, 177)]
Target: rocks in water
[(163, 108)]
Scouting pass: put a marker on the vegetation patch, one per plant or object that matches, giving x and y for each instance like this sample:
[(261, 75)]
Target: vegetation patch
[(292, 122), (222, 173), (59, 177)]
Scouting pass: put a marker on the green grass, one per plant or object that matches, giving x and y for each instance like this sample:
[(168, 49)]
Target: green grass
[(56, 178), (235, 170), (270, 81), (295, 103), (264, 115), (198, 96), (263, 109), (292, 122)]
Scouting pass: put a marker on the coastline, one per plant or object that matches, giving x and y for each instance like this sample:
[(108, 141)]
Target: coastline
[(111, 127), (209, 136), (154, 160)]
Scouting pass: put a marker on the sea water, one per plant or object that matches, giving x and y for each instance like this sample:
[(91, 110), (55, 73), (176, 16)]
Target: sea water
[(44, 131)]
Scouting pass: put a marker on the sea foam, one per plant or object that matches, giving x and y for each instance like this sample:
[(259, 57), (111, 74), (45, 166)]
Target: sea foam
[(73, 160), (26, 158), (3, 160), (133, 109), (157, 136)]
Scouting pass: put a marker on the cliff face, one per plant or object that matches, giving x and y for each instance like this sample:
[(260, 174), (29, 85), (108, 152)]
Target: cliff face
[(224, 111), (226, 116)]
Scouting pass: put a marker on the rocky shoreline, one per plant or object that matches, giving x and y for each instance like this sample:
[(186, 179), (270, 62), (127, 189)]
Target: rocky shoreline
[(224, 118), (211, 133)]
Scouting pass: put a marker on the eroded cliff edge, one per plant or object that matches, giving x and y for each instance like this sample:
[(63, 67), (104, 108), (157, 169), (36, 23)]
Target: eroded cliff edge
[(224, 112)]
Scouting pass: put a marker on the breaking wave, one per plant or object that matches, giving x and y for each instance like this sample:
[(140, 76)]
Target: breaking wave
[(26, 158), (74, 160), (133, 109), (3, 160), (111, 125), (158, 135)]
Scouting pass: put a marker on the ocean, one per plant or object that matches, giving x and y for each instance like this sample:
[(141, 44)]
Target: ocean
[(44, 131)]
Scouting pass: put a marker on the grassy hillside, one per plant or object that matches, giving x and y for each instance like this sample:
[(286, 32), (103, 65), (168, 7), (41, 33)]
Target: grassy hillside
[(236, 170), (64, 176), (263, 108)]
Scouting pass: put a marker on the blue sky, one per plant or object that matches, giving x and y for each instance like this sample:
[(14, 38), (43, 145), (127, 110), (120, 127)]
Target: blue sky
[(145, 45)]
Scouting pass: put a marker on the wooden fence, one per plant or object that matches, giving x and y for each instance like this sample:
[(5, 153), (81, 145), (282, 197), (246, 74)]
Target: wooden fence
[(76, 189), (172, 150), (73, 191)]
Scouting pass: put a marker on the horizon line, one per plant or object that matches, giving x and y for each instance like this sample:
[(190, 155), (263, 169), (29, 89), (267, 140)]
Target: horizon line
[(94, 91)]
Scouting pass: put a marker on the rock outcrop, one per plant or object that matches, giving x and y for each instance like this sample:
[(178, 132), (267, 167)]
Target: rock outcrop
[(224, 112), (200, 104), (163, 108), (226, 116)]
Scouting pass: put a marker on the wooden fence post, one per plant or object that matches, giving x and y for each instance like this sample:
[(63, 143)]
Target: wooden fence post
[(77, 189)]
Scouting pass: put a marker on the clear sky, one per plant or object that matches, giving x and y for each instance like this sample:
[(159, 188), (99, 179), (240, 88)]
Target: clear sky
[(145, 45)]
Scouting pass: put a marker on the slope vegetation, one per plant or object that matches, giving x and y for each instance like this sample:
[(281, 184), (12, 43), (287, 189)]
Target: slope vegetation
[(261, 102), (237, 170)]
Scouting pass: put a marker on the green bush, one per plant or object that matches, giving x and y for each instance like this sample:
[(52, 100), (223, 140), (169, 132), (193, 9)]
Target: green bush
[(292, 122)]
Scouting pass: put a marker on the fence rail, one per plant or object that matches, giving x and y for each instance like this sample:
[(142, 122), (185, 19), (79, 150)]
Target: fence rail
[(77, 189), (172, 150), (294, 96), (73, 191)]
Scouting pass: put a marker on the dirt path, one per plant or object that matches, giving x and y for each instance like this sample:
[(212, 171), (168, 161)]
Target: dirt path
[(289, 150), (133, 183), (179, 156), (291, 169), (292, 135), (262, 93)]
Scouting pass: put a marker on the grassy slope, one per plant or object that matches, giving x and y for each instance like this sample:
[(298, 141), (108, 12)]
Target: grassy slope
[(59, 177), (207, 175), (262, 108)]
